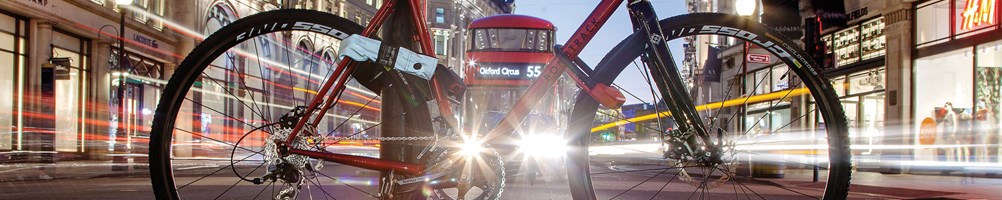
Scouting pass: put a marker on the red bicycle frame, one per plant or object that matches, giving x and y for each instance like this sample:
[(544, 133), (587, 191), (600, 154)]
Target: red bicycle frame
[(519, 112)]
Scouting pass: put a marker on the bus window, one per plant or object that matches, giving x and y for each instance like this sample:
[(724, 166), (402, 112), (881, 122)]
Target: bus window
[(531, 40)]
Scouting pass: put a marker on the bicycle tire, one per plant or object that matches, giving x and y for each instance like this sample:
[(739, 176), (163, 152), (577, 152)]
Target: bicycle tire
[(610, 67), (388, 85)]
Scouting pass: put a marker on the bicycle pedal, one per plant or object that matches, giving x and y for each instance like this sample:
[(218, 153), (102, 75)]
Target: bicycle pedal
[(608, 96)]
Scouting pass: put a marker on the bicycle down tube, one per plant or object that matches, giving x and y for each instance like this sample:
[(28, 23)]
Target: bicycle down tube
[(423, 37)]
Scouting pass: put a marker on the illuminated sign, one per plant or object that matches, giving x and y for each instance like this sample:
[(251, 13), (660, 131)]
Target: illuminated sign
[(977, 13), (759, 58), (508, 71)]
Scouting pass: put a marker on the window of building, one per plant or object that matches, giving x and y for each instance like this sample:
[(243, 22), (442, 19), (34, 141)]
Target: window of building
[(531, 40), (932, 22), (439, 15), (13, 54), (945, 80), (70, 92), (441, 43), (141, 95), (988, 87), (873, 39), (155, 10), (857, 43)]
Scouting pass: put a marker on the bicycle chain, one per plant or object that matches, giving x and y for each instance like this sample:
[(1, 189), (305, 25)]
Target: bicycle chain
[(411, 138)]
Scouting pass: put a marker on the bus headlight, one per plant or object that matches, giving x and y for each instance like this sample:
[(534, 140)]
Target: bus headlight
[(542, 145)]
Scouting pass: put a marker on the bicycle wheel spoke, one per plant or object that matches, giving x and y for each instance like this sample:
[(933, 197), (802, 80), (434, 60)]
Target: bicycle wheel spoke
[(768, 183), (216, 140), (238, 182), (230, 93), (771, 105), (213, 173), (646, 180), (327, 195), (263, 189), (663, 186), (349, 185), (636, 170)]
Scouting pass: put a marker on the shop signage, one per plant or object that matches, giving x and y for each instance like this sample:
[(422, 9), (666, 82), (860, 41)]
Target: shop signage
[(977, 13), (759, 58), (927, 132), (508, 71), (146, 41), (40, 2), (856, 14)]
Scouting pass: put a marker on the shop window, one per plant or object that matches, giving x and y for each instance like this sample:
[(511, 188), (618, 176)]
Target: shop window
[(932, 22), (70, 92), (762, 83), (839, 85), (873, 40), (846, 46), (13, 53), (946, 94), (866, 81), (988, 87), (779, 80)]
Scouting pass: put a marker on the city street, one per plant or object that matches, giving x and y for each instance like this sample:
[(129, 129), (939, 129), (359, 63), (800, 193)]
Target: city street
[(89, 180), (529, 99)]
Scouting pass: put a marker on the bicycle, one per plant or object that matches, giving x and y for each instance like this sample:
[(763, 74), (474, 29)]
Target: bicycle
[(422, 156)]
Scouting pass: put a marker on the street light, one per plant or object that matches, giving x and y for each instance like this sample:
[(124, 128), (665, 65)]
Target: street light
[(742, 7), (120, 149)]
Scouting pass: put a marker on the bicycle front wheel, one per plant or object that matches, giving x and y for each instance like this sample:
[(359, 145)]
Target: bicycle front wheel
[(241, 89), (779, 125)]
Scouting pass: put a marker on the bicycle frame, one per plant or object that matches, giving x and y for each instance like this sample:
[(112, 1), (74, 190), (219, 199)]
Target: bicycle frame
[(643, 16)]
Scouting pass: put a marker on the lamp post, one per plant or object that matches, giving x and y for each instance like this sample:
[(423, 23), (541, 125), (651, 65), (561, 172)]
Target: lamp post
[(745, 8), (121, 72)]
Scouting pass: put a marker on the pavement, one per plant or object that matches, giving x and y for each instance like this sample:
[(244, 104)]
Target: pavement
[(87, 169)]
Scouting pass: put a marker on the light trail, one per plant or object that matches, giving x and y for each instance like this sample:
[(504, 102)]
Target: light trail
[(714, 105)]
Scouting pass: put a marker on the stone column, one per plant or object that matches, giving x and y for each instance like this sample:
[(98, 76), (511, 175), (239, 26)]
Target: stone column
[(38, 127), (898, 125), (101, 89)]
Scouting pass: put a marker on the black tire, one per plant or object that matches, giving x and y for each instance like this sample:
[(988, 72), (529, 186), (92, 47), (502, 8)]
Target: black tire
[(388, 86), (632, 47)]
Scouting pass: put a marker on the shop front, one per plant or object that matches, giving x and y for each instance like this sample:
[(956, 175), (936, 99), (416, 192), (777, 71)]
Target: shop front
[(857, 70), (957, 79), (12, 62)]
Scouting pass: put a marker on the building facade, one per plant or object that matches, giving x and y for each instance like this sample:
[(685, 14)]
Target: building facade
[(59, 69), (919, 76), (448, 20)]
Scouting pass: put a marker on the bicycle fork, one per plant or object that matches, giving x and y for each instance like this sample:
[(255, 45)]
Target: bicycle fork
[(673, 91)]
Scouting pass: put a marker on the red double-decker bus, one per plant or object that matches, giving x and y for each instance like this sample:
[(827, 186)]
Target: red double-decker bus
[(506, 53), (508, 50)]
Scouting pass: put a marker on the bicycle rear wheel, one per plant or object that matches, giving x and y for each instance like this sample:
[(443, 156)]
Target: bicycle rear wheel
[(774, 125), (236, 93)]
